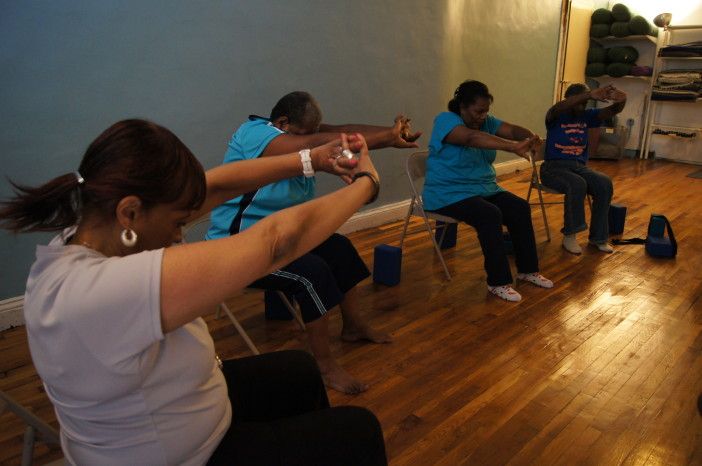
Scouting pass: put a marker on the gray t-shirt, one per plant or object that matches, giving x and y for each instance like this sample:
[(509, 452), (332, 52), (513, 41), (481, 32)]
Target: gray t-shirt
[(124, 392)]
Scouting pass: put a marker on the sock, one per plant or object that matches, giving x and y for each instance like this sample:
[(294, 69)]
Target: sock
[(535, 278), (570, 243), (604, 247)]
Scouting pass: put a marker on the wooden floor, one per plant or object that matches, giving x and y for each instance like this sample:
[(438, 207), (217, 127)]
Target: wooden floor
[(604, 369)]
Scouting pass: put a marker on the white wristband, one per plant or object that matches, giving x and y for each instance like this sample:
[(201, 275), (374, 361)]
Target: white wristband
[(306, 160)]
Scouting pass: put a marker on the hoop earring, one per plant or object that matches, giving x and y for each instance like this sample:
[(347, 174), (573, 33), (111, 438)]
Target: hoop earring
[(128, 237)]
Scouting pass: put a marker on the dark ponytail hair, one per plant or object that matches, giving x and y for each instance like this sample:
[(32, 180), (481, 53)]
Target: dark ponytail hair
[(300, 108), (466, 94), (131, 157)]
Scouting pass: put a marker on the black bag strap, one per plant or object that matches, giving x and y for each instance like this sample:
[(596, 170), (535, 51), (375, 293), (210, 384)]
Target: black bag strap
[(629, 241)]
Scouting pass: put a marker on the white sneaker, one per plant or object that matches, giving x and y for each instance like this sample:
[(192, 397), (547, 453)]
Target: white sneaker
[(570, 244), (505, 292), (535, 278), (604, 247)]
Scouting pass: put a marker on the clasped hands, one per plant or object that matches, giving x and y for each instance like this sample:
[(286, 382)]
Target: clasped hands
[(607, 93), (332, 157)]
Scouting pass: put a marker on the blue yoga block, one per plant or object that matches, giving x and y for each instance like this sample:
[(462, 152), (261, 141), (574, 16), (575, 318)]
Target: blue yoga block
[(617, 217), (449, 237), (387, 264), (275, 308), (656, 227), (659, 246)]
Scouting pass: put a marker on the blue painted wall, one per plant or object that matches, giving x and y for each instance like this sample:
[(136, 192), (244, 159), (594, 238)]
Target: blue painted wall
[(70, 69)]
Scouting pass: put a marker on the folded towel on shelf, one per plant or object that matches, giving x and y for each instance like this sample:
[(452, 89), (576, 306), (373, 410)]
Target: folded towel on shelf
[(691, 49), (672, 94)]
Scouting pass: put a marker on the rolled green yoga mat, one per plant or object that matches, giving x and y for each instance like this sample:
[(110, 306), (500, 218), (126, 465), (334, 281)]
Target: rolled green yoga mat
[(595, 69), (621, 12), (620, 29), (618, 70), (597, 55), (602, 16), (599, 30), (622, 55)]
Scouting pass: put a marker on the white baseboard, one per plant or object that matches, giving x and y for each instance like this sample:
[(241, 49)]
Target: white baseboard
[(375, 217), (11, 309), (11, 312), (511, 166)]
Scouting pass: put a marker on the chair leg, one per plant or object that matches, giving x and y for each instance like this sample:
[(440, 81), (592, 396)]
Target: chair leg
[(291, 309), (407, 217), (28, 447), (436, 246), (239, 329), (543, 213)]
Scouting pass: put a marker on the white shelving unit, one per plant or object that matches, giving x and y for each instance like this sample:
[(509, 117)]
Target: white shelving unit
[(673, 116)]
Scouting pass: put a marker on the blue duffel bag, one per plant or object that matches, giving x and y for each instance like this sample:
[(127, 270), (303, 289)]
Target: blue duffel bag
[(656, 243)]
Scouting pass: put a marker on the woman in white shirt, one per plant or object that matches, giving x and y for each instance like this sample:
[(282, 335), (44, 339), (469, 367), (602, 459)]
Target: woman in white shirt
[(113, 312)]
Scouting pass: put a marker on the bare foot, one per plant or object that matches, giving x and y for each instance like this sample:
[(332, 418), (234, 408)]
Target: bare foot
[(335, 377), (350, 333)]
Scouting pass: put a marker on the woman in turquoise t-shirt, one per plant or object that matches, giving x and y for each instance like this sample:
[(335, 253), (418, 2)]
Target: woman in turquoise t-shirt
[(460, 182)]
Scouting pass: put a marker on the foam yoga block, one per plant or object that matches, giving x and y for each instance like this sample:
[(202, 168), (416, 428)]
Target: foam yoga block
[(617, 218), (622, 55), (449, 237), (387, 264)]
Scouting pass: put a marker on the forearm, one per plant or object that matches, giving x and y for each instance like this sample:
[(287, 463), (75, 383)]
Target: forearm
[(566, 105), (196, 277), (377, 137), (610, 111), (519, 133), (233, 179)]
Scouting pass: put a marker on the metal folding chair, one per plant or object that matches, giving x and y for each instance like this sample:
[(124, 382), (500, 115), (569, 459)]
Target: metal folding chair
[(36, 428), (416, 170)]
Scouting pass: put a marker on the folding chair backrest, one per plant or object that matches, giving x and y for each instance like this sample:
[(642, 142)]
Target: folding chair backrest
[(195, 230), (416, 170)]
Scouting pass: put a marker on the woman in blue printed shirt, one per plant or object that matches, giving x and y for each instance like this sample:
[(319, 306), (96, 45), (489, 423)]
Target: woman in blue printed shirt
[(565, 158), (461, 183)]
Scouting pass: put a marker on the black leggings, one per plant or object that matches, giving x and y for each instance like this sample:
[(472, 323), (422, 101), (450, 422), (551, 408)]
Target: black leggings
[(487, 215), (281, 416)]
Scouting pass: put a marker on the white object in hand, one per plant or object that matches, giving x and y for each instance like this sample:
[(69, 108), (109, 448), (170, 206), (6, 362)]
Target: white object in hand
[(347, 153)]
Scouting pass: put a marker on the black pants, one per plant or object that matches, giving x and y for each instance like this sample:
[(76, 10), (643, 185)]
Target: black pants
[(319, 279), (281, 416), (487, 215)]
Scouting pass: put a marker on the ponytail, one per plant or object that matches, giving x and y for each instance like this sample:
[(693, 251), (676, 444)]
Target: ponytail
[(50, 207), (132, 157)]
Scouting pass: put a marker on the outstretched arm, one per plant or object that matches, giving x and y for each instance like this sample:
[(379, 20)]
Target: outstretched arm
[(233, 179), (377, 137), (196, 277), (464, 136)]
